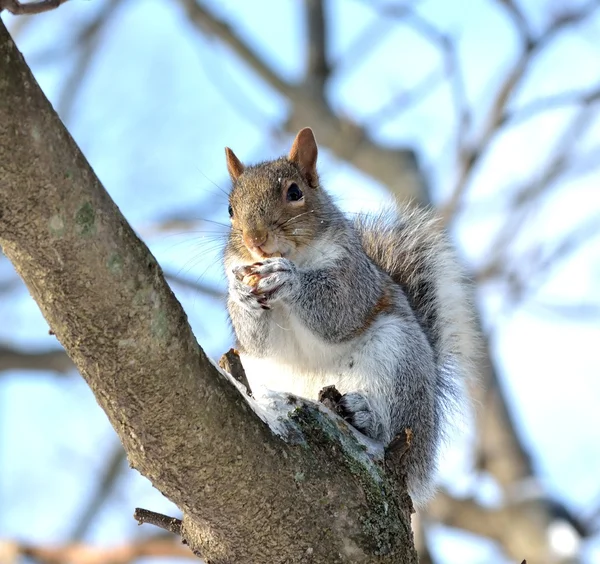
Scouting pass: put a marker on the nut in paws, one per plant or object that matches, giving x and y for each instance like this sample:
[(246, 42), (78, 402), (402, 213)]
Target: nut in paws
[(269, 278)]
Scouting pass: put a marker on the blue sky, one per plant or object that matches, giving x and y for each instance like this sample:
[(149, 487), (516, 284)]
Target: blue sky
[(154, 112)]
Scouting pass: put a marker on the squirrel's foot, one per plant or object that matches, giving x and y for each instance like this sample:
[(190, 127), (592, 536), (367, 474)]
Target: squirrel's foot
[(354, 408), (270, 279)]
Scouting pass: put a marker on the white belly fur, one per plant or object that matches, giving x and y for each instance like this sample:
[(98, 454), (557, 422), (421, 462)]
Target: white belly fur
[(301, 363)]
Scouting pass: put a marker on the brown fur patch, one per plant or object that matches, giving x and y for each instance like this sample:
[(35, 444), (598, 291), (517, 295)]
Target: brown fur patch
[(384, 304)]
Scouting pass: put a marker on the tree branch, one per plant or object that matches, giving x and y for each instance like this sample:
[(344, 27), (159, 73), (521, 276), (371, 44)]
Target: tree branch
[(171, 524), (195, 286), (396, 168), (210, 24), (518, 18), (110, 474), (85, 47), (184, 424), (471, 155), (156, 547), (317, 67), (18, 8), (522, 528), (51, 361)]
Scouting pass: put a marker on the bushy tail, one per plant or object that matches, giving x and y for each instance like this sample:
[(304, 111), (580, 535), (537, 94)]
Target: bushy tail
[(412, 247)]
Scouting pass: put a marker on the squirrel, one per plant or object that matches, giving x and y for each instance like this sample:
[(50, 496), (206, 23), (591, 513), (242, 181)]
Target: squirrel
[(376, 306)]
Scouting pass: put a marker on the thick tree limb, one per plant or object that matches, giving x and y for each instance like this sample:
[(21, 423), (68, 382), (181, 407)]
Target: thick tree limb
[(245, 494)]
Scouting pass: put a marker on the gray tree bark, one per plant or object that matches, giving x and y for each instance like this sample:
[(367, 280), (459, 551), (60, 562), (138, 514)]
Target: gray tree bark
[(246, 495)]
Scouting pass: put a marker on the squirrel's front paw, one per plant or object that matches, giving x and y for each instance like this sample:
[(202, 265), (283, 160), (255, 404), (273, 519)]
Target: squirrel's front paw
[(243, 295), (271, 279)]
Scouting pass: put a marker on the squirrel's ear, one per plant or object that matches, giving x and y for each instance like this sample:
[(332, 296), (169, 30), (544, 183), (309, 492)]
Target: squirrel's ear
[(234, 165), (304, 154)]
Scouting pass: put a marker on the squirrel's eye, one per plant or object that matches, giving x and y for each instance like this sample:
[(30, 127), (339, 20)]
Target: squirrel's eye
[(294, 193), (230, 210)]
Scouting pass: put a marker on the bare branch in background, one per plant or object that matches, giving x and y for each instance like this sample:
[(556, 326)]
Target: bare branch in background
[(534, 272), (18, 8), (580, 312), (154, 547), (548, 103), (471, 155), (525, 201), (404, 100), (518, 18), (317, 65), (230, 89), (396, 168), (195, 286), (211, 25), (185, 222), (102, 490), (55, 360), (86, 48), (366, 40), (446, 45)]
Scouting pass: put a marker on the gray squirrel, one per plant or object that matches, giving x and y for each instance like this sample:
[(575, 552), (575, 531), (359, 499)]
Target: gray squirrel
[(376, 306)]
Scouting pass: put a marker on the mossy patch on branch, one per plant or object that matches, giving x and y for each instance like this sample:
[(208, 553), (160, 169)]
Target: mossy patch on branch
[(384, 527), (85, 218)]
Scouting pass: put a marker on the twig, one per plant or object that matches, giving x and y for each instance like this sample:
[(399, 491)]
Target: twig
[(452, 65), (524, 203), (208, 291), (470, 156), (580, 312), (516, 14), (171, 524), (17, 8), (536, 107), (230, 362), (403, 100), (538, 271), (366, 40)]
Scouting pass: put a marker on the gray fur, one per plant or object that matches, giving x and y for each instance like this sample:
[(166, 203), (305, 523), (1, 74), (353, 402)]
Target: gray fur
[(398, 361)]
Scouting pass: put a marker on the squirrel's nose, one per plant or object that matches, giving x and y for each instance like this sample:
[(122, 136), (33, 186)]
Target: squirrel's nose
[(255, 239)]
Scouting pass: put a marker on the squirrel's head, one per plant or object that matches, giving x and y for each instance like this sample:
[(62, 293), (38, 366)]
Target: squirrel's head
[(276, 207)]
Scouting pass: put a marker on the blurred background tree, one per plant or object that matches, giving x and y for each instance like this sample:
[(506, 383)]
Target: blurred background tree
[(488, 110)]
